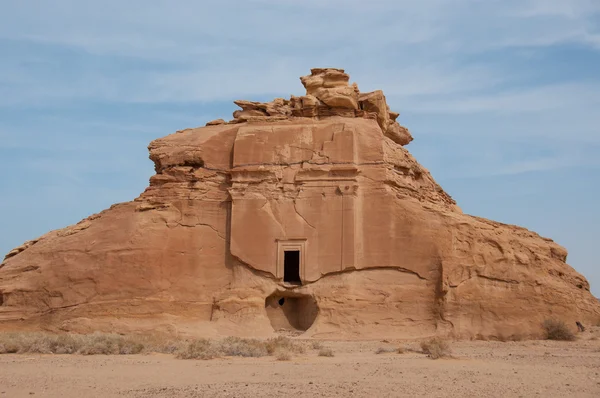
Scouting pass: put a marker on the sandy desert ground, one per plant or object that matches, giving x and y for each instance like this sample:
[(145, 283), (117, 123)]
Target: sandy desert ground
[(477, 369)]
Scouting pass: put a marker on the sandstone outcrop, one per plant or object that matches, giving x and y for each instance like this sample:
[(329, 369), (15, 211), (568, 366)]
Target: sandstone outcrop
[(305, 214), (327, 94)]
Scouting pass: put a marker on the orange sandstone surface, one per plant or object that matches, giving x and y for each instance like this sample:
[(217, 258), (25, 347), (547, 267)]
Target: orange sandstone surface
[(307, 215)]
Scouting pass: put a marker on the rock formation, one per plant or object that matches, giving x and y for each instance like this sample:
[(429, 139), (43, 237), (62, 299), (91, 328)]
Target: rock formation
[(305, 214)]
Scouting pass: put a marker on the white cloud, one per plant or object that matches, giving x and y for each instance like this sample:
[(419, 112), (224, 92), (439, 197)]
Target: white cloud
[(161, 30), (561, 161), (206, 51), (552, 97), (221, 50), (572, 9)]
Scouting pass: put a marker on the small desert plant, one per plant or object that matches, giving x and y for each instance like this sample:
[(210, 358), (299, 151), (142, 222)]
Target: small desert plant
[(316, 345), (237, 347), (512, 337), (109, 344), (283, 356), (281, 343), (164, 346), (435, 348), (325, 352), (38, 343), (198, 349), (555, 329), (385, 350), (518, 337), (48, 343), (8, 346), (114, 344)]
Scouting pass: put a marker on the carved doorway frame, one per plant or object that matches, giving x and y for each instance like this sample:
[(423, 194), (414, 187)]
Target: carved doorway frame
[(294, 244)]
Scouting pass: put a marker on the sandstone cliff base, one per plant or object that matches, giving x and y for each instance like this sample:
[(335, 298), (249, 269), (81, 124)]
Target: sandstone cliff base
[(305, 215)]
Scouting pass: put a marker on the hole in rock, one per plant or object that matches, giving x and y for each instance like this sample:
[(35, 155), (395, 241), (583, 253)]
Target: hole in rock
[(291, 312), (194, 163), (291, 267)]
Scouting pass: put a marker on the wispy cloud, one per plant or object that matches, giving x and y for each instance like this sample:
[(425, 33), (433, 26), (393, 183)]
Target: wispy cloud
[(507, 167), (202, 51), (550, 97)]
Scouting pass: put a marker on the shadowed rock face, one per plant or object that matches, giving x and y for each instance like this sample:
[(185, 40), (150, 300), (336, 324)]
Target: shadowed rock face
[(312, 199)]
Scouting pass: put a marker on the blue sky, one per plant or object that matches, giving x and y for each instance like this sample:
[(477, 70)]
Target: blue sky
[(502, 97)]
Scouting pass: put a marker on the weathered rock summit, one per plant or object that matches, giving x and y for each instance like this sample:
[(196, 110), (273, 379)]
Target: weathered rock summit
[(327, 94), (304, 214)]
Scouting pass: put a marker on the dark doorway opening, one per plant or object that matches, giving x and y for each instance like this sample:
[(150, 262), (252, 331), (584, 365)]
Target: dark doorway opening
[(291, 267)]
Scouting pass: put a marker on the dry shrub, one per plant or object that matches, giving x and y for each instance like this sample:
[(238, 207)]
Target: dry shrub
[(230, 346), (506, 338), (282, 343), (516, 337), (114, 344), (325, 352), (555, 329), (8, 346), (38, 343), (109, 344), (385, 350), (198, 349), (410, 348), (316, 345), (48, 343), (237, 347), (436, 348), (164, 346), (283, 356)]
